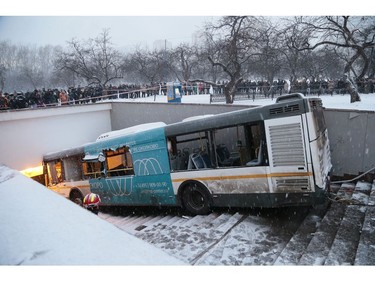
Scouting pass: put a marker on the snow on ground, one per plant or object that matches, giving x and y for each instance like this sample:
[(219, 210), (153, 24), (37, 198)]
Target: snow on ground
[(333, 102), (40, 227)]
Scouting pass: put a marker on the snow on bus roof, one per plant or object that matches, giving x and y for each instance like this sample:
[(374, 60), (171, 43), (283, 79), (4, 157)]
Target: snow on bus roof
[(131, 130), (197, 117)]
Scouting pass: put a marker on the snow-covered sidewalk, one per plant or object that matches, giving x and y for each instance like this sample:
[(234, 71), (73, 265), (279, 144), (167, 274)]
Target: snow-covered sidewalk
[(333, 102), (40, 227)]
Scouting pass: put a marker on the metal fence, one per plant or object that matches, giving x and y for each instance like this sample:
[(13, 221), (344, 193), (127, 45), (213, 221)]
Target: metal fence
[(262, 94)]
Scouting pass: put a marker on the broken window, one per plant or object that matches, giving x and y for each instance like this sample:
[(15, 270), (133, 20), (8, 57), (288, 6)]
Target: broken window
[(236, 146), (55, 172), (119, 162)]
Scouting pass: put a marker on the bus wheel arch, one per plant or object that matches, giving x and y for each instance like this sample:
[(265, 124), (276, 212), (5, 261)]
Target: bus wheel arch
[(76, 196), (195, 197)]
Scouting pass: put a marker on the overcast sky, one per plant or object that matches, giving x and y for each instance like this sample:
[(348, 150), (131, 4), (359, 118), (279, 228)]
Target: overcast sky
[(125, 31), (140, 22)]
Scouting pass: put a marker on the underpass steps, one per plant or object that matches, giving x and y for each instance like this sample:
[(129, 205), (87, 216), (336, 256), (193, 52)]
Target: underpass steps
[(344, 247), (366, 247), (321, 242)]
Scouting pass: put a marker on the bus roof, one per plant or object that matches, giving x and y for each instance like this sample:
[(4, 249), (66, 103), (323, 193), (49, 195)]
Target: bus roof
[(288, 105), (130, 130), (69, 152)]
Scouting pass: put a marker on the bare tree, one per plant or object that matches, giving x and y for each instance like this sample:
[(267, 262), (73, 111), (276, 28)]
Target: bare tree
[(7, 62), (185, 60), (353, 34), (291, 36), (2, 77), (270, 60), (95, 60), (235, 39), (36, 65), (149, 65)]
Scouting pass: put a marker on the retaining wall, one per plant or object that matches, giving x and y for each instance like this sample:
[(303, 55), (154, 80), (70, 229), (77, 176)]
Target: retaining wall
[(39, 131)]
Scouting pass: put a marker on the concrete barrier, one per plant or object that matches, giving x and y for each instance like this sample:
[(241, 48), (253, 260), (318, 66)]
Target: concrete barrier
[(352, 140), (25, 135)]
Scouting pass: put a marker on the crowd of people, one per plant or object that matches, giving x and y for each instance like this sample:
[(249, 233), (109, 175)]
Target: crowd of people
[(91, 94), (305, 86), (73, 95)]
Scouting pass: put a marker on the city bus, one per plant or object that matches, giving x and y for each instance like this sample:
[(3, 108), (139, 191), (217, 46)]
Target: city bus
[(63, 173), (270, 156)]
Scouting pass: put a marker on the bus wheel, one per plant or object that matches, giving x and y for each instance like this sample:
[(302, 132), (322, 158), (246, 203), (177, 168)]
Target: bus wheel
[(195, 199), (76, 197)]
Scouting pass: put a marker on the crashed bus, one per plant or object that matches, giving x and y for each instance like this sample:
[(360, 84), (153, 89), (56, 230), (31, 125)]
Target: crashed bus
[(270, 156)]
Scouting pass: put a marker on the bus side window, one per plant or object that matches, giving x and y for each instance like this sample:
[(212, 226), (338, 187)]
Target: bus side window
[(55, 173), (241, 145), (119, 162), (92, 169), (256, 143), (72, 169)]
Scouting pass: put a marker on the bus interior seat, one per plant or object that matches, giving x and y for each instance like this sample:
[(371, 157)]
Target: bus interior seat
[(196, 161), (257, 161), (181, 160), (224, 156)]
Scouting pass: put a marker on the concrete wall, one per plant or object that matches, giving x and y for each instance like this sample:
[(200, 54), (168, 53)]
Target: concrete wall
[(351, 133), (352, 140), (130, 114), (28, 134)]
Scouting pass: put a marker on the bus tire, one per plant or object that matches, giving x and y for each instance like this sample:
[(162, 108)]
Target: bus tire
[(196, 199), (76, 197)]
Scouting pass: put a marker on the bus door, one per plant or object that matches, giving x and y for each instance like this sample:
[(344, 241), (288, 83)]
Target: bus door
[(288, 169), (55, 180)]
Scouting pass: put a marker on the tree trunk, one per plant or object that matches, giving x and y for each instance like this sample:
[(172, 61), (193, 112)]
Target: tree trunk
[(229, 96), (230, 89), (349, 85)]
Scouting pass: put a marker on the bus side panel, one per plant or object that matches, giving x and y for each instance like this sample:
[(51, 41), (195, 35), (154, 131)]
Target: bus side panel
[(150, 185), (152, 180), (226, 180), (114, 191), (234, 187)]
